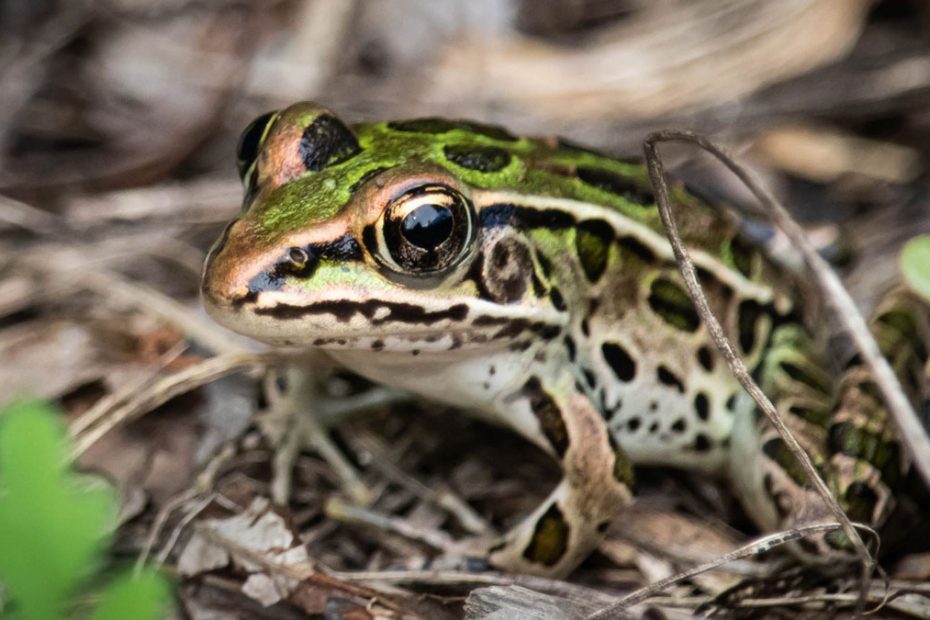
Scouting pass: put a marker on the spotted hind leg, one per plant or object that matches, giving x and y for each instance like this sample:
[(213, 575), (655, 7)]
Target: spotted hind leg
[(841, 422), (596, 478)]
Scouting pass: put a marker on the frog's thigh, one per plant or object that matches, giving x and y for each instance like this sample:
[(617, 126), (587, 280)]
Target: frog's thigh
[(596, 478)]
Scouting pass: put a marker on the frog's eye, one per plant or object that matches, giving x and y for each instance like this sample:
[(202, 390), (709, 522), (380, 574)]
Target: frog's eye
[(425, 230), (250, 140)]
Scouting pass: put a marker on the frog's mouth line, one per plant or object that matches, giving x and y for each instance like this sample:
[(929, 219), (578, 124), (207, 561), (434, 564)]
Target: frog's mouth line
[(330, 325)]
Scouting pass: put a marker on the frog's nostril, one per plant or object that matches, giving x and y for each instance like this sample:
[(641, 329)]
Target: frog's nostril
[(298, 256)]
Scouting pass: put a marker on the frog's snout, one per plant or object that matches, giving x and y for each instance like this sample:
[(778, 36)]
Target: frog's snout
[(225, 281)]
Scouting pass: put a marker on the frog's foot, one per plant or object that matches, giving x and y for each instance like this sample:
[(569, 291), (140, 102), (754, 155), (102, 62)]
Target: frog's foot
[(298, 418)]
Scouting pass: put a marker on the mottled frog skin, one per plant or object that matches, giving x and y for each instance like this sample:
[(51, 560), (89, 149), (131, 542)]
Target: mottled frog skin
[(529, 281)]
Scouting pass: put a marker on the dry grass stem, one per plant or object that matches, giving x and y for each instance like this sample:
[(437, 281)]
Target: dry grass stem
[(128, 407), (760, 545), (686, 268)]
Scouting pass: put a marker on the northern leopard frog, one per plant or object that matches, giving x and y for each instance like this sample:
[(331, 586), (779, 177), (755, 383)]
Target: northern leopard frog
[(529, 281)]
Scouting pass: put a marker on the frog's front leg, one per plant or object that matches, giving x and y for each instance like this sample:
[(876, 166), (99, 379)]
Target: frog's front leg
[(595, 485), (299, 417)]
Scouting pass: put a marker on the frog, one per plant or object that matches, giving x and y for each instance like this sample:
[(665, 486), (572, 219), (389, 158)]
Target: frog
[(529, 282)]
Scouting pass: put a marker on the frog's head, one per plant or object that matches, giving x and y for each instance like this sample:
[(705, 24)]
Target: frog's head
[(375, 238)]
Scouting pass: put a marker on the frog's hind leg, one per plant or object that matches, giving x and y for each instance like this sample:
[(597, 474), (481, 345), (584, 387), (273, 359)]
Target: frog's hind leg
[(866, 459), (841, 422), (596, 478)]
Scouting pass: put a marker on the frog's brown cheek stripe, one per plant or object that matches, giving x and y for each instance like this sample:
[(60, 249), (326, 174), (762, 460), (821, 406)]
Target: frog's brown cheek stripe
[(549, 541)]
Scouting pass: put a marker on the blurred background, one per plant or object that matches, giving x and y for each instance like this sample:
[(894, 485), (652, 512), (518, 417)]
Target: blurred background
[(119, 119)]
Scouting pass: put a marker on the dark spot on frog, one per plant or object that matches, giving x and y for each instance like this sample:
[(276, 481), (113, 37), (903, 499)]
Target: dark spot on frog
[(731, 402), (585, 327), (654, 428), (478, 158), (620, 362), (570, 146), (492, 370), (702, 443), (548, 414), (326, 142), (705, 358), (539, 289), (549, 541), (632, 246), (808, 378), (436, 125), (679, 426), (623, 468), (545, 265), (749, 313), (702, 406), (249, 298), (558, 302), (504, 279), (672, 304), (667, 377), (504, 214), (415, 352), (377, 345), (345, 310), (614, 183), (633, 424), (602, 527), (589, 377), (592, 245), (816, 416), (653, 405), (570, 348)]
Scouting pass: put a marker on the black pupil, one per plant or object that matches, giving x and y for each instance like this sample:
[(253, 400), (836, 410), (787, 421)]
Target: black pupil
[(427, 226)]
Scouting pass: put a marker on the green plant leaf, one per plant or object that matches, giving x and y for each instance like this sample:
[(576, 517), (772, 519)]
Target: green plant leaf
[(141, 597), (915, 265), (51, 526)]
